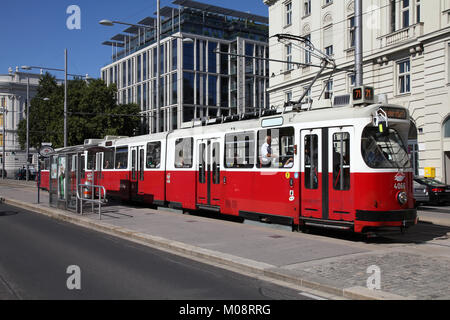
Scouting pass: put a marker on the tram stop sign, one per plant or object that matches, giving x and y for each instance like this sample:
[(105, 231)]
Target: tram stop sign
[(45, 151)]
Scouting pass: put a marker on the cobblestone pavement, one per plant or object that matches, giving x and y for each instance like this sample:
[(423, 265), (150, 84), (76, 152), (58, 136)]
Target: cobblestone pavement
[(409, 275)]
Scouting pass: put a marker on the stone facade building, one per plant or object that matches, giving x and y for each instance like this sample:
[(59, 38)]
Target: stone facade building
[(406, 55)]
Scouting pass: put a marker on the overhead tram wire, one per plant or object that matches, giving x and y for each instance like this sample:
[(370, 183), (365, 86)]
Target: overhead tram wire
[(282, 61)]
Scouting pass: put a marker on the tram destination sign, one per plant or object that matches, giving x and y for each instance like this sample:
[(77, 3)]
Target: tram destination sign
[(395, 113)]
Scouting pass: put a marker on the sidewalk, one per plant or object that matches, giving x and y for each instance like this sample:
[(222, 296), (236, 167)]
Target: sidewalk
[(409, 269)]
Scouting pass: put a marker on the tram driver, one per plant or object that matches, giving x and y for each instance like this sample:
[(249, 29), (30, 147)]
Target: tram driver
[(266, 153)]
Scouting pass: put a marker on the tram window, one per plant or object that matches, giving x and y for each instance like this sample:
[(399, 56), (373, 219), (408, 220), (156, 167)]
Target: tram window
[(383, 151), (240, 150), (341, 161), (153, 155), (141, 164), (121, 158), (183, 153), (311, 161), (133, 164), (276, 148), (91, 161), (201, 163), (108, 158), (216, 163)]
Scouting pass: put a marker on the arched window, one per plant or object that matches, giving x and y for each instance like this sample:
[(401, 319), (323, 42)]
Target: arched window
[(447, 128)]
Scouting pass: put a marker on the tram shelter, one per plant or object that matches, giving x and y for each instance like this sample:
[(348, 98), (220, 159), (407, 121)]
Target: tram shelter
[(68, 174)]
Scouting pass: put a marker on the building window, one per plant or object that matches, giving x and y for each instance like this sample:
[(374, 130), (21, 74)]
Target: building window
[(404, 77), (288, 96), (447, 128), (351, 32), (393, 14), (328, 89), (307, 97), (174, 54), (307, 7), (212, 57), (188, 56), (418, 11), (308, 47), (288, 49), (288, 7), (405, 13), (328, 40), (351, 80)]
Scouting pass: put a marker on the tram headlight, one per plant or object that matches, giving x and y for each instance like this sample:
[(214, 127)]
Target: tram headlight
[(402, 197)]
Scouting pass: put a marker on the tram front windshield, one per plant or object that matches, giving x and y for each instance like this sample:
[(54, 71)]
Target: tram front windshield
[(384, 150)]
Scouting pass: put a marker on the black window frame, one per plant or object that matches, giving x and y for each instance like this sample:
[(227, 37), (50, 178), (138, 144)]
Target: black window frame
[(183, 156), (341, 161), (116, 158), (154, 154), (248, 155)]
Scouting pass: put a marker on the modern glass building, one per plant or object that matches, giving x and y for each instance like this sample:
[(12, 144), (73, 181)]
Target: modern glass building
[(209, 65)]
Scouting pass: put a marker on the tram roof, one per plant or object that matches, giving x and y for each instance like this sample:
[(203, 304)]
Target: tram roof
[(80, 148), (346, 114)]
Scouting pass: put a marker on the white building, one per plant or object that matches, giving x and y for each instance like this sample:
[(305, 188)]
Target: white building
[(13, 97), (406, 53)]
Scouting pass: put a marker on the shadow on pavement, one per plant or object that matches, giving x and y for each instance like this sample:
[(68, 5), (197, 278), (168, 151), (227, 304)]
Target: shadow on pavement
[(418, 234)]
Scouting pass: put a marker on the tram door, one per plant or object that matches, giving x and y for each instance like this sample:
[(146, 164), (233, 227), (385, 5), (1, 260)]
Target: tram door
[(208, 173), (311, 174), (137, 170), (340, 195)]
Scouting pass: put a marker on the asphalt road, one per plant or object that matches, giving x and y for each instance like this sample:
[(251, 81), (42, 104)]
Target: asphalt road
[(36, 252)]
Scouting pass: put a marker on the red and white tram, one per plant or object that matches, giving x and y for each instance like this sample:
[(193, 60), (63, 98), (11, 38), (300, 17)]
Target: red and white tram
[(332, 167)]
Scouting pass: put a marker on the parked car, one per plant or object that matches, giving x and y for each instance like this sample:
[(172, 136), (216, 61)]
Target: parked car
[(420, 193), (438, 192)]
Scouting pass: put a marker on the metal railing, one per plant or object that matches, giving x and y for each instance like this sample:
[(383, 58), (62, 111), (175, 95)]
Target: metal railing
[(101, 192)]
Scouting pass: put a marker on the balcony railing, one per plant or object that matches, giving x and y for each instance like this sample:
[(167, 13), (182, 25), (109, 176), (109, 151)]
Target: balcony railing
[(405, 34)]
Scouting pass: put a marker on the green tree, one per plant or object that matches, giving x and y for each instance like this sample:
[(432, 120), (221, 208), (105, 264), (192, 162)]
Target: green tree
[(92, 108)]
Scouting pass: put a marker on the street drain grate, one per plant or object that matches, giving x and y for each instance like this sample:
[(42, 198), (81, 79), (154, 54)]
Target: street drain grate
[(191, 221)]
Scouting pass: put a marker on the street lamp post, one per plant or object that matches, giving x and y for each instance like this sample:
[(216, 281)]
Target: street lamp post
[(28, 126), (4, 110)]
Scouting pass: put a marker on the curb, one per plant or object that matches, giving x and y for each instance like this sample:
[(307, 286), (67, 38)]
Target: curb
[(205, 255)]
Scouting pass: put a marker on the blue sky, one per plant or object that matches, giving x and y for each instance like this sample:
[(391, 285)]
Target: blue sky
[(35, 32)]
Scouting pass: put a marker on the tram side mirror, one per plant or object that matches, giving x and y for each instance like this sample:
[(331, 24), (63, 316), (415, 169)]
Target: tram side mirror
[(383, 129)]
